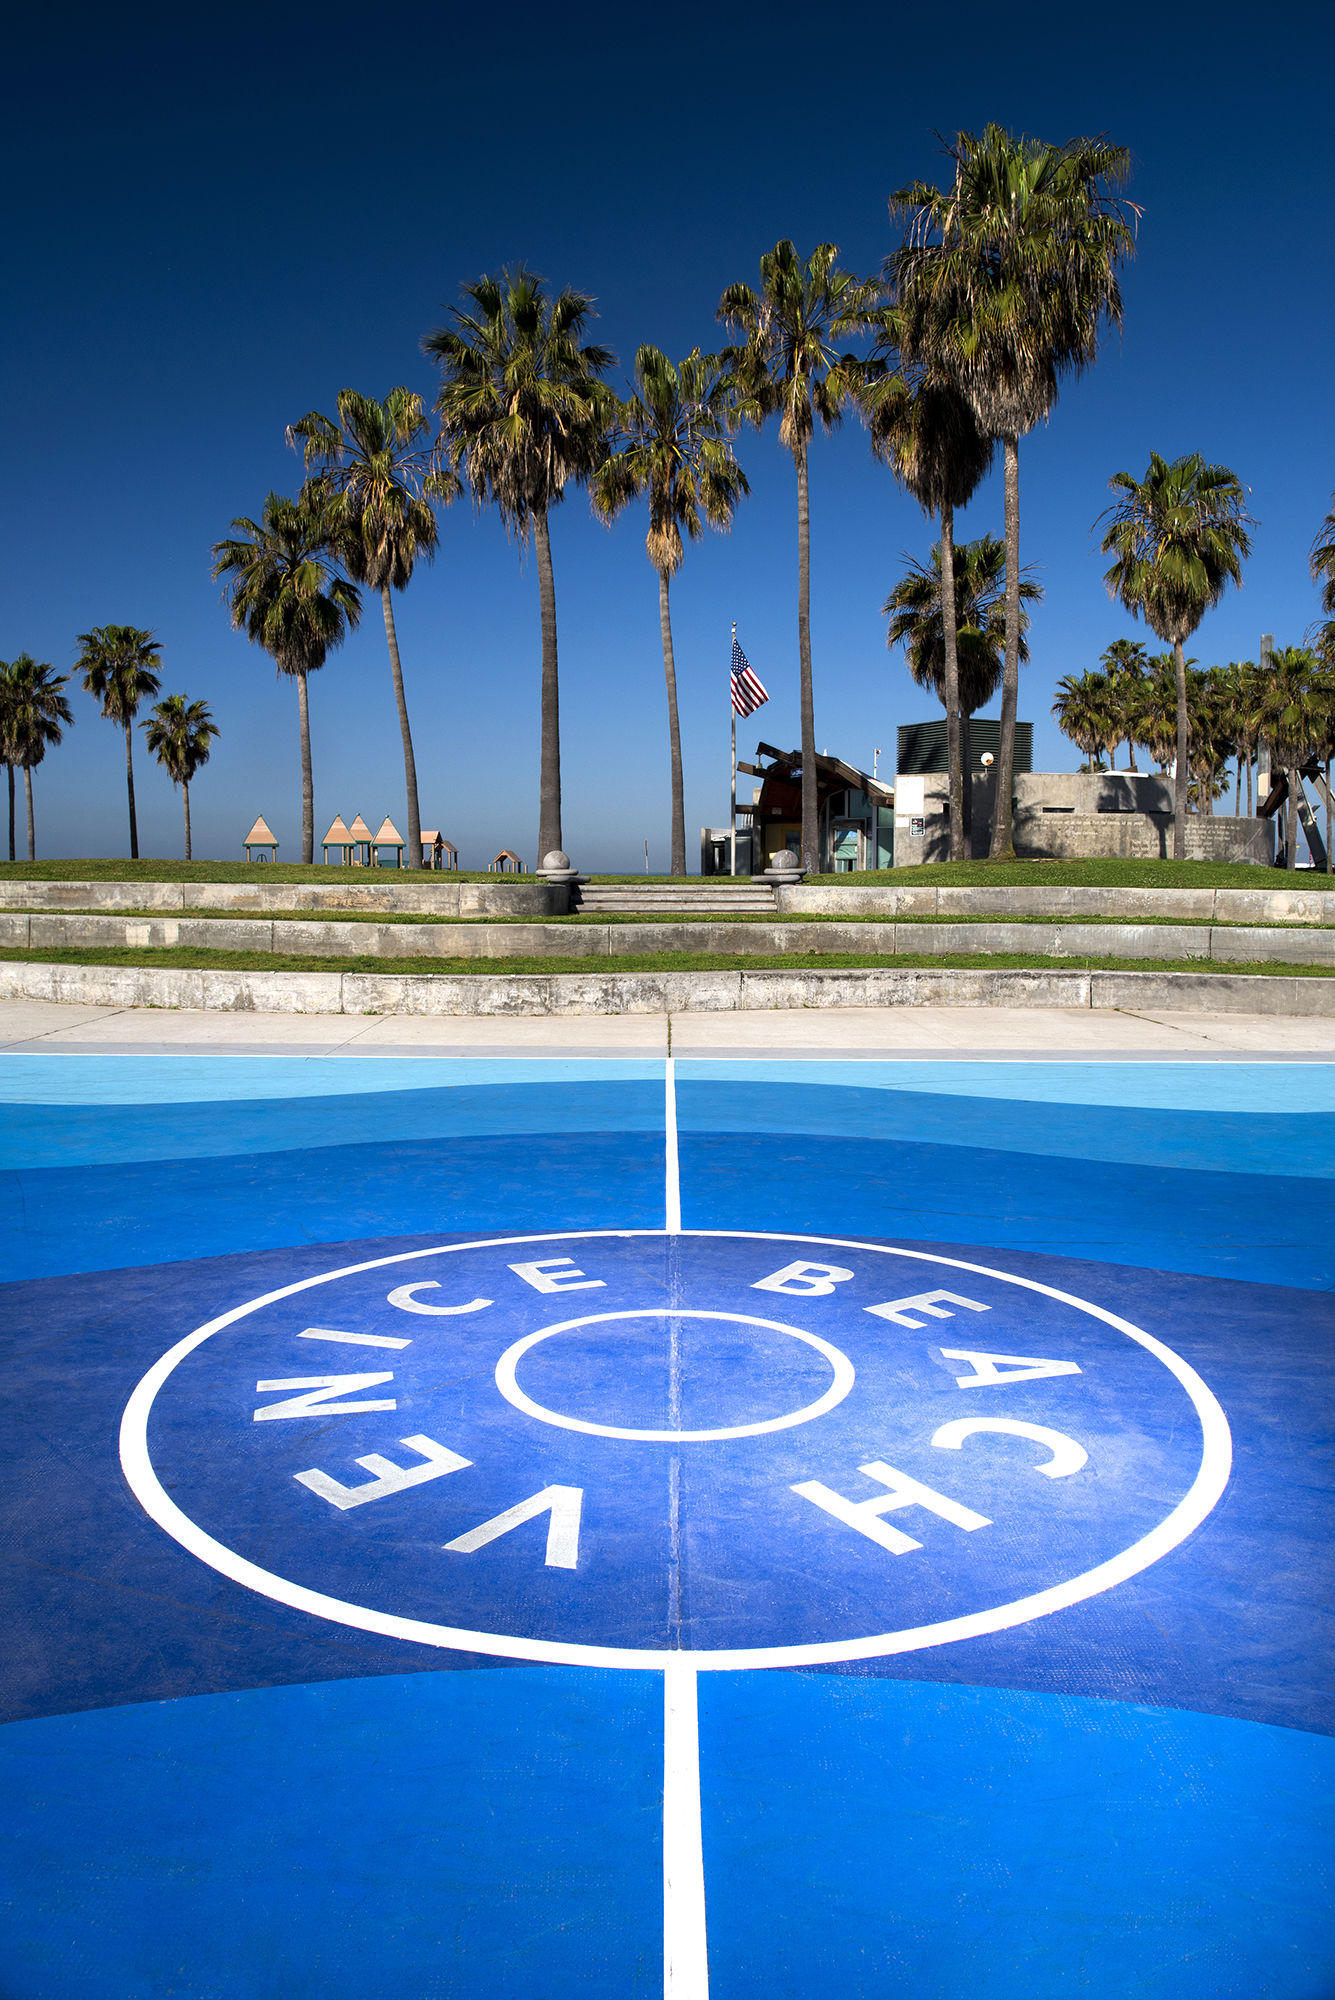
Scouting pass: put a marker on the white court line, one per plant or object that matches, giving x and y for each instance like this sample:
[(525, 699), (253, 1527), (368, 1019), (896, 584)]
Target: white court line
[(673, 1188), (685, 1942)]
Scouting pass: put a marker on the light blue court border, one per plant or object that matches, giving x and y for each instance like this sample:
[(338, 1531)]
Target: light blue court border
[(45, 1078), (1260, 1088)]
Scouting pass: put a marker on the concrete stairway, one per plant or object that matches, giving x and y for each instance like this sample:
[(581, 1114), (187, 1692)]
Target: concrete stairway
[(707, 895)]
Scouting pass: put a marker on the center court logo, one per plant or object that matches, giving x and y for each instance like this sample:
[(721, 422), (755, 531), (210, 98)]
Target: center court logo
[(615, 1448)]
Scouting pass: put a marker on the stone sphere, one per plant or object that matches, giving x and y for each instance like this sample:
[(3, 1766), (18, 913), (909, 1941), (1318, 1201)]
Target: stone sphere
[(555, 859), (785, 858)]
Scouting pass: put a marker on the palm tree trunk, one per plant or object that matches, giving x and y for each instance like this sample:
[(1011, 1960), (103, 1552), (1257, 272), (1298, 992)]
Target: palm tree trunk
[(674, 731), (1180, 781), (549, 780), (966, 768), (129, 786), (1291, 817), (954, 767), (409, 762), (185, 794), (10, 769), (1003, 846), (810, 809), (1328, 855), (307, 783), (1237, 789), (32, 830)]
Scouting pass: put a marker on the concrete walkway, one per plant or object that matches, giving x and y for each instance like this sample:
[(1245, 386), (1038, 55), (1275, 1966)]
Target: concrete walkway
[(849, 1034)]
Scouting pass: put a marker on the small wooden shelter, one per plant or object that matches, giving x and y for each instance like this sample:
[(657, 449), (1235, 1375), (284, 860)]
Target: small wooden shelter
[(338, 837), (388, 838), (437, 852), (359, 833), (505, 863), (260, 836)]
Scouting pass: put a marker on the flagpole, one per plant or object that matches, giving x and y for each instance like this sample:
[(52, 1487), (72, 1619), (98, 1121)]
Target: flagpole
[(732, 710)]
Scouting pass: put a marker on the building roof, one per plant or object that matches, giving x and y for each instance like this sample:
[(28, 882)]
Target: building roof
[(338, 834), (832, 775), (359, 830), (389, 835), (259, 835)]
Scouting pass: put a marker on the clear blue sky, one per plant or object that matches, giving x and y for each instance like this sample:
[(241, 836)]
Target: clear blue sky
[(217, 221)]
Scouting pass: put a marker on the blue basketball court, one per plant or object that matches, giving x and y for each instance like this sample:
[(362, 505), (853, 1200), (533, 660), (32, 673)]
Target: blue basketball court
[(736, 1526)]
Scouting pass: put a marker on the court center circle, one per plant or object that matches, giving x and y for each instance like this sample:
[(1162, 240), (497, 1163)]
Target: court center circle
[(509, 1387)]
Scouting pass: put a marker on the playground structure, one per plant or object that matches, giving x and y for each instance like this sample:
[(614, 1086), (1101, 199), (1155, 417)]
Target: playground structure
[(506, 863), (260, 837)]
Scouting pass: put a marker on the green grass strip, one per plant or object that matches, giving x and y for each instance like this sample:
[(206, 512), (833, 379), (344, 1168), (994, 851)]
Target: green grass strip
[(195, 959)]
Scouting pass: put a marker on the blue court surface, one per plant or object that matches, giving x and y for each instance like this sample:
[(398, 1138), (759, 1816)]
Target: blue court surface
[(537, 1528)]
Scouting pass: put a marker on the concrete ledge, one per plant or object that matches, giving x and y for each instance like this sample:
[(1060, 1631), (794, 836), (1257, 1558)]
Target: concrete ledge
[(426, 895), (494, 943), (1237, 906), (611, 992)]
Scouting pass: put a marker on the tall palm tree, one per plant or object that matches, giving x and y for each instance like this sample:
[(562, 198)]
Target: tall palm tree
[(1008, 277), (1179, 538), (671, 442), (284, 591), (117, 663), (923, 429), (181, 734), (786, 366), (523, 410), (381, 480), (35, 716), (918, 611)]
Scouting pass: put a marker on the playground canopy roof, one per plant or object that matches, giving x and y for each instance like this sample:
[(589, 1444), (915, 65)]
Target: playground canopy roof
[(359, 830), (338, 835), (259, 835)]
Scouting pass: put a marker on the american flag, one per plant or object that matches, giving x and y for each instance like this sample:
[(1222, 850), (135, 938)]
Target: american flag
[(747, 693)]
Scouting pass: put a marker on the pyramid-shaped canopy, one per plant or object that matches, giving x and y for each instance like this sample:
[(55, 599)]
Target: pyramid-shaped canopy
[(359, 830), (389, 835), (259, 835), (338, 834)]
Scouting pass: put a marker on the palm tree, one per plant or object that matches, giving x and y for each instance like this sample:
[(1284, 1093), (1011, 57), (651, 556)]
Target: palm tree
[(1179, 538), (285, 593), (918, 615), (1155, 711), (181, 735), (35, 715), (523, 411), (671, 437), (6, 712), (1323, 567), (1242, 702), (925, 432), (1085, 711), (1007, 278), (786, 366), (118, 663), (1294, 722), (1124, 662), (380, 481)]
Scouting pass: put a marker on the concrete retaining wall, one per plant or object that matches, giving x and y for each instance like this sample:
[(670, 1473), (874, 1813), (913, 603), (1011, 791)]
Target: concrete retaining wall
[(429, 895), (1239, 943), (1243, 944), (599, 993), (1287, 905)]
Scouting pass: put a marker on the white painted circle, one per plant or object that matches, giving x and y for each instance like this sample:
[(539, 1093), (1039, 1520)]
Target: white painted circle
[(1212, 1477), (510, 1389)]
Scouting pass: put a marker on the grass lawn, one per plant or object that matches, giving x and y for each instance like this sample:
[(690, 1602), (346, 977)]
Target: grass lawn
[(193, 958), (1082, 875)]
